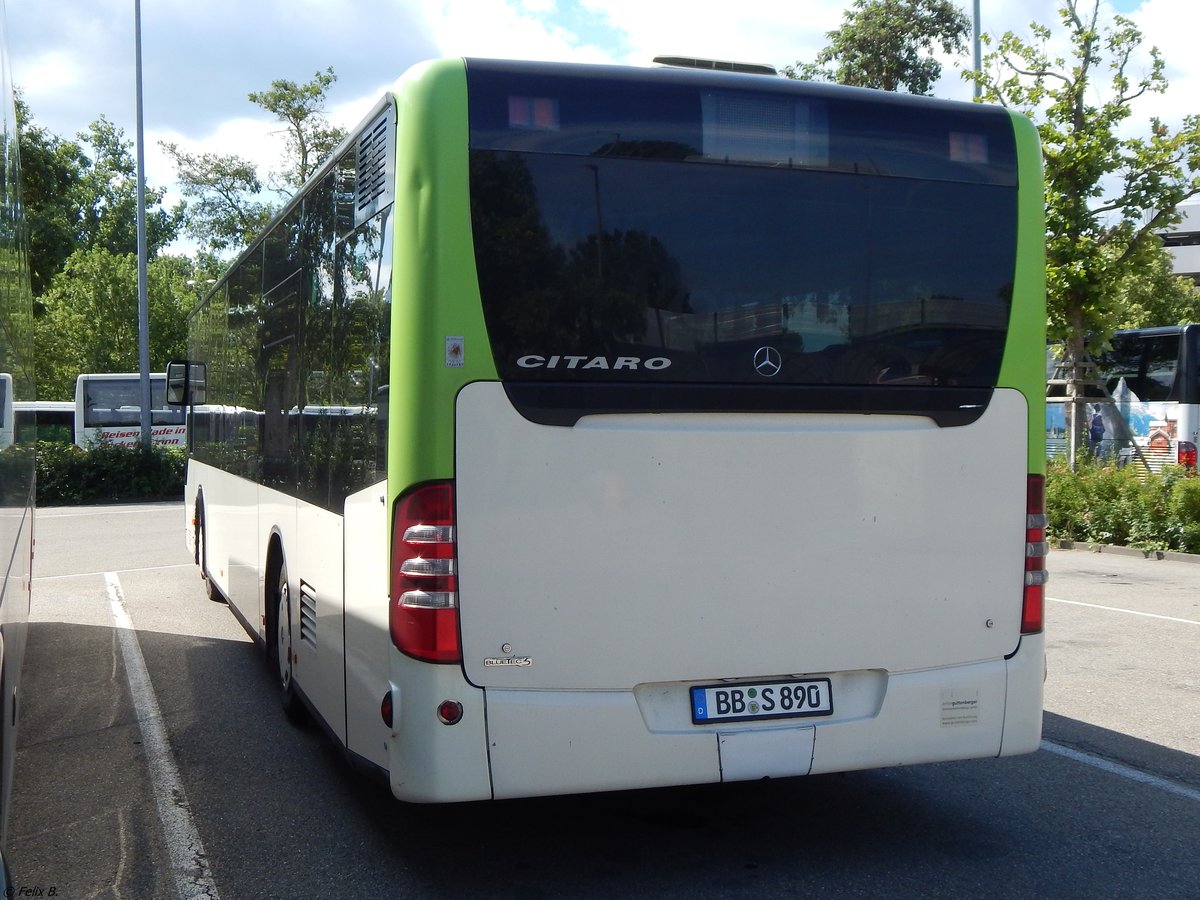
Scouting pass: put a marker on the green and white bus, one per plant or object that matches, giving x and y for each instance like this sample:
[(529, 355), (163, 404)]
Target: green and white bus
[(580, 428)]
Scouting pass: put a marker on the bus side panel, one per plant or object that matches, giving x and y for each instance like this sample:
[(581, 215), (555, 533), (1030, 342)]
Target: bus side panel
[(366, 622), (230, 534), (236, 507), (1023, 367), (1023, 703), (314, 558)]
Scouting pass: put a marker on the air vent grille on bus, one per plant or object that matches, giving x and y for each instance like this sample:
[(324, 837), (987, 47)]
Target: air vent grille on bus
[(308, 614), (373, 181)]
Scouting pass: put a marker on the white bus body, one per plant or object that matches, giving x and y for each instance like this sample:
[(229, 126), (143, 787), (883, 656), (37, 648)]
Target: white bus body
[(625, 468)]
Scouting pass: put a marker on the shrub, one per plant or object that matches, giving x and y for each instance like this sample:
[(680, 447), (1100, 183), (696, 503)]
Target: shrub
[(1106, 505), (1184, 512), (68, 475)]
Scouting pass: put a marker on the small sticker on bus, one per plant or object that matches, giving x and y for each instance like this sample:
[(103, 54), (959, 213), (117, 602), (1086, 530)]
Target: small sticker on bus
[(960, 707), (455, 352)]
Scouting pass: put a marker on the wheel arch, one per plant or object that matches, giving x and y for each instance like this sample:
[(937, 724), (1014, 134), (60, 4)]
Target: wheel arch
[(271, 567)]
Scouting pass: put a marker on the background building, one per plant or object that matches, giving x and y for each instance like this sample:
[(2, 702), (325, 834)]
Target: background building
[(1183, 242)]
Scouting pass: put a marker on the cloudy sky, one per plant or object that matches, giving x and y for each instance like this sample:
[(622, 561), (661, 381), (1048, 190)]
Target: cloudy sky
[(74, 59)]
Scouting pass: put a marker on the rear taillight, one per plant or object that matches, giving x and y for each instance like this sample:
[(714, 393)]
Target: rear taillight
[(423, 607), (1187, 454), (1036, 548)]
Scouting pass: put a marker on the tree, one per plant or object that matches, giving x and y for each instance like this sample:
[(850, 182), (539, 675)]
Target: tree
[(1107, 194), (107, 195), (889, 44), (51, 172), (229, 208), (310, 137), (90, 321), (1151, 294), (226, 213), (84, 194)]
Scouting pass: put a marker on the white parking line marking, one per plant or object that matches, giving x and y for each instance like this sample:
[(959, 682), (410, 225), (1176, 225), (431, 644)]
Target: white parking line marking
[(37, 578), (1132, 612), (189, 862), (1106, 765)]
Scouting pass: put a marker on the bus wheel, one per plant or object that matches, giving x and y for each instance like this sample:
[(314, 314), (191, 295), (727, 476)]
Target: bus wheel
[(202, 558), (290, 702)]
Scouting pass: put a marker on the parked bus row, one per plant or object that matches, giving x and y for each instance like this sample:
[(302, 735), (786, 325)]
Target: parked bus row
[(107, 407)]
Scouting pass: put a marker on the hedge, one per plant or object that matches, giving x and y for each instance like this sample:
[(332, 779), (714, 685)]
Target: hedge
[(1096, 504), (1123, 506), (68, 475)]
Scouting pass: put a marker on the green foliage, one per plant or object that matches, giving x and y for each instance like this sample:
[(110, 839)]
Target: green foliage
[(68, 475), (1106, 505), (51, 171), (1152, 294), (301, 108), (1184, 510), (108, 196), (82, 195), (889, 44), (90, 321), (226, 213)]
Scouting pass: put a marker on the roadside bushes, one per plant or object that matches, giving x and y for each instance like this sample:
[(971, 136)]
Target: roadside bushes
[(1106, 505), (68, 475)]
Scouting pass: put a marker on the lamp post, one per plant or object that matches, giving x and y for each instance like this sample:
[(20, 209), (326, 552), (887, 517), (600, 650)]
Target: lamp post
[(143, 301), (978, 55)]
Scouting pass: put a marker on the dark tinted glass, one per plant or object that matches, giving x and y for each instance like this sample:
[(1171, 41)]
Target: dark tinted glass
[(296, 343), (719, 118), (109, 402), (610, 247), (1148, 363), (586, 266)]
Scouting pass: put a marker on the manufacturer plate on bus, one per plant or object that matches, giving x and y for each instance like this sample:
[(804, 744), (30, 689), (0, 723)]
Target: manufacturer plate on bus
[(787, 699)]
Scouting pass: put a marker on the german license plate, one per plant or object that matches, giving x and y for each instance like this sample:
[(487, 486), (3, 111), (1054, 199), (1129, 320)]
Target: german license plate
[(765, 700)]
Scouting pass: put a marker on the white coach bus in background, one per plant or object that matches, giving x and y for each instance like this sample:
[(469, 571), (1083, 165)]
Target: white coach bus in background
[(109, 407)]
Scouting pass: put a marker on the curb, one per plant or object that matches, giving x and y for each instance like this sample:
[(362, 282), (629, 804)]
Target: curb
[(1134, 552)]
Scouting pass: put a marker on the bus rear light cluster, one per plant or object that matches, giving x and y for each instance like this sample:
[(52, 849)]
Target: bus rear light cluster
[(1034, 602), (423, 605)]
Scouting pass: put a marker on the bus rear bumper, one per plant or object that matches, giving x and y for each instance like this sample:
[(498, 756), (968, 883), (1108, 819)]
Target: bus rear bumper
[(559, 742)]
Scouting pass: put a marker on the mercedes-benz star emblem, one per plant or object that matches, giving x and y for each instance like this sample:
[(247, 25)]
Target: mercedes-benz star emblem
[(767, 362)]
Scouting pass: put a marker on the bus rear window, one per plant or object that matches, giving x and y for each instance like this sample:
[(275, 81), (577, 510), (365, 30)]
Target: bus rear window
[(620, 269), (617, 251)]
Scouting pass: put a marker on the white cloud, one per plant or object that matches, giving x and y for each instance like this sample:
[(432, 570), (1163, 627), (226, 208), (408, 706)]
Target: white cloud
[(770, 31), (496, 28)]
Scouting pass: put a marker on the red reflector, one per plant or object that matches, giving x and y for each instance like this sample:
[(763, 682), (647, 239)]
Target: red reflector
[(423, 609), (385, 709), (1034, 600), (450, 712)]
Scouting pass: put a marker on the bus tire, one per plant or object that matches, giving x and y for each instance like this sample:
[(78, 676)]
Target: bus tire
[(210, 589), (280, 648)]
